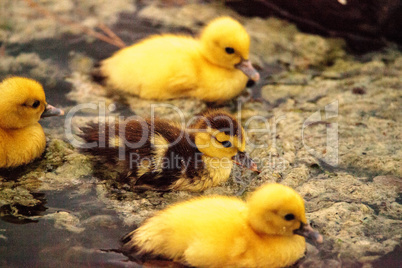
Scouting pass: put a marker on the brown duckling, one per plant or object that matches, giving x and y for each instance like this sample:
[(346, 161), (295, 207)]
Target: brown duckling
[(160, 155)]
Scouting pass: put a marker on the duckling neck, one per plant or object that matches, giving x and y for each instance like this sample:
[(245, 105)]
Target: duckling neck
[(218, 168), (21, 146), (284, 250), (206, 55), (218, 82), (275, 250), (215, 171)]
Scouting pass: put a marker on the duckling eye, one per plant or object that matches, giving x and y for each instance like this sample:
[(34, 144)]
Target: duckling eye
[(226, 144), (289, 217), (36, 104), (229, 50)]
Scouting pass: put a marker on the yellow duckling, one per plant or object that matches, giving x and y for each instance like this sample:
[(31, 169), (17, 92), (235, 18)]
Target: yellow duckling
[(268, 230), (214, 67), (22, 104), (160, 155)]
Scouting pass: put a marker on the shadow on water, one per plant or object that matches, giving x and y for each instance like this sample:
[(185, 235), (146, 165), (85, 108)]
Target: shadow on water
[(129, 28), (392, 259), (25, 214), (55, 237)]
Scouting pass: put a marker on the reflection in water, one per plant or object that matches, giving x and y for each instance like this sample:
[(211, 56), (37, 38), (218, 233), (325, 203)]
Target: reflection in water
[(20, 214), (73, 230)]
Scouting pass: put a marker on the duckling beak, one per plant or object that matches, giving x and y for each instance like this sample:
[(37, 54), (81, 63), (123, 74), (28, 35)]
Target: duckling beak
[(309, 233), (247, 68), (51, 111), (243, 159)]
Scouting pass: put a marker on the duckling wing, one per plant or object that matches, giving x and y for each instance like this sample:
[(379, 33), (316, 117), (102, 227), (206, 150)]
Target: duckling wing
[(149, 154), (176, 160), (118, 148), (203, 232), (160, 67)]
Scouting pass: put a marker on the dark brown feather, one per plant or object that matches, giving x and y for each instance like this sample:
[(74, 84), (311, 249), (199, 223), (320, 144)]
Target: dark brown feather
[(182, 154), (97, 75), (221, 121)]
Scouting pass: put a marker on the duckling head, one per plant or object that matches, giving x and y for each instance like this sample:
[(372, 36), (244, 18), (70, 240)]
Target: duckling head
[(226, 43), (23, 103), (220, 135), (276, 209)]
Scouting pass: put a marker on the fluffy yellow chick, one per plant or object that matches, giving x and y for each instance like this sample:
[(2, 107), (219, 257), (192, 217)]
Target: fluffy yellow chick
[(22, 104), (268, 230), (214, 67)]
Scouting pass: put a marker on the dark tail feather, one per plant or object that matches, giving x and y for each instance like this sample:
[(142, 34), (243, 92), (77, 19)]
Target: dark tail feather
[(146, 259), (97, 75), (89, 134), (98, 135), (131, 250), (138, 256), (127, 237)]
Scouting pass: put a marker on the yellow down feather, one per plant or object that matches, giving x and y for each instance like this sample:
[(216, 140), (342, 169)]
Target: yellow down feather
[(224, 231), (175, 66)]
